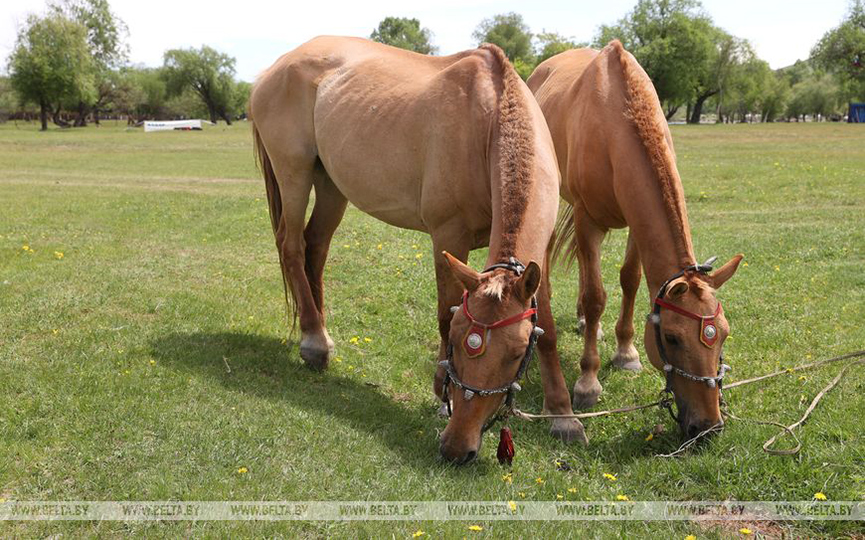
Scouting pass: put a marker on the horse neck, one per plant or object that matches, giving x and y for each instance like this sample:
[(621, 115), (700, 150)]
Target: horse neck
[(664, 242), (523, 224)]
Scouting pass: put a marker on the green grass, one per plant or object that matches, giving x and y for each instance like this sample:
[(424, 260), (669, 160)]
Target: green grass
[(114, 360)]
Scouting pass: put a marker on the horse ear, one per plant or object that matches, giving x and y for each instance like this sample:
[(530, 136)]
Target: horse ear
[(464, 273), (529, 281), (721, 275), (677, 288)]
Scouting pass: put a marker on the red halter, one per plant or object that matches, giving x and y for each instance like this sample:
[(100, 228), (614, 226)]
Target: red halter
[(708, 330), (475, 340)]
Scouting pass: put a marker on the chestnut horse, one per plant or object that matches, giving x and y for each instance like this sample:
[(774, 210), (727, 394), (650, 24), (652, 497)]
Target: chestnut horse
[(618, 169), (454, 146)]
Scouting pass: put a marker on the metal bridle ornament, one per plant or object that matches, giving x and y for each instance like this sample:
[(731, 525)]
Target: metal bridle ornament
[(474, 344), (708, 336)]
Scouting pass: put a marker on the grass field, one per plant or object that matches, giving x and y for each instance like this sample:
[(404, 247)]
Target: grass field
[(143, 354)]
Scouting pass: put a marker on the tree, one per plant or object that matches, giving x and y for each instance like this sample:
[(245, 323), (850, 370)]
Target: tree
[(671, 40), (725, 54), (510, 32), (140, 93), (817, 95), (51, 63), (208, 73), (105, 39), (404, 33), (552, 43), (842, 51)]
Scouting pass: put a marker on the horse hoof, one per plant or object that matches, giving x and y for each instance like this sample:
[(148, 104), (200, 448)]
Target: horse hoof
[(586, 395), (317, 352), (628, 359), (569, 430), (581, 329)]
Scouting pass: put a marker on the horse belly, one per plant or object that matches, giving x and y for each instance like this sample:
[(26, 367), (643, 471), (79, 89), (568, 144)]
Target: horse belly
[(371, 149)]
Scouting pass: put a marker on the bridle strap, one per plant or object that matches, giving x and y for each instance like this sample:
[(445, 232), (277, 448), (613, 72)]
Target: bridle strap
[(531, 312), (681, 311)]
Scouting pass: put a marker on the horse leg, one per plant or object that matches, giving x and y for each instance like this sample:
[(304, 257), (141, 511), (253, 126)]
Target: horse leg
[(450, 292), (592, 297), (327, 213), (295, 178), (556, 397), (626, 356), (581, 314)]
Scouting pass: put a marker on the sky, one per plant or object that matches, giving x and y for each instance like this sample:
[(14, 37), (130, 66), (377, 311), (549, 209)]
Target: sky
[(257, 32)]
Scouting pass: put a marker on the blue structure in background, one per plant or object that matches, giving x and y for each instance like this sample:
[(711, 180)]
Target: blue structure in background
[(857, 113)]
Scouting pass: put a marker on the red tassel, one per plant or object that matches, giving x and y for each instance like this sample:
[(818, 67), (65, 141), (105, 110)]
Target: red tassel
[(505, 452)]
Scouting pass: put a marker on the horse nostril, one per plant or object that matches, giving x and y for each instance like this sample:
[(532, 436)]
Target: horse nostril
[(693, 431), (470, 456)]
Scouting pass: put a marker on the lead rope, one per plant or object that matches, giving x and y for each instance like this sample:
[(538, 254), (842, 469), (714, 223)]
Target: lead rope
[(767, 446)]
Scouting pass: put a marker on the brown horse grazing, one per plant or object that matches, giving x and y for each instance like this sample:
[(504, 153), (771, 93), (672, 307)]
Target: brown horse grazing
[(618, 170), (454, 146)]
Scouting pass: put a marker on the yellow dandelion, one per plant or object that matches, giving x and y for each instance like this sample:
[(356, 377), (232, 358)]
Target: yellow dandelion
[(346, 246), (522, 494), (622, 498), (512, 505), (690, 537), (414, 246), (820, 496), (572, 490), (55, 331), (418, 533), (802, 378), (337, 359), (559, 496), (650, 436), (508, 478), (367, 340), (610, 477), (354, 340), (25, 247), (745, 530), (58, 254), (418, 256), (379, 247), (475, 528), (743, 264), (153, 362), (242, 470), (777, 267), (539, 480)]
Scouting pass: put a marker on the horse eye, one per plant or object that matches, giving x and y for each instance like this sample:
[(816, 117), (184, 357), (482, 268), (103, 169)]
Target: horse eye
[(671, 339)]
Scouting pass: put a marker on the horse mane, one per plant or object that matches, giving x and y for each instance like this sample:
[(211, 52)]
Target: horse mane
[(516, 151), (643, 110)]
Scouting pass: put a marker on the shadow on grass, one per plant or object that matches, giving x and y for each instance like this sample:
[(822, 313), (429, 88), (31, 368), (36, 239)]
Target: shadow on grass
[(262, 366)]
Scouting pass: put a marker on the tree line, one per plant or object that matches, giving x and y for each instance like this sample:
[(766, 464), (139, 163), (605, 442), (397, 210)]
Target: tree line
[(70, 66), (696, 66)]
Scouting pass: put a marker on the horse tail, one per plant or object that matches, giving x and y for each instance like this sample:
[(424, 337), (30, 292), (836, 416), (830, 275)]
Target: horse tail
[(564, 240), (274, 202)]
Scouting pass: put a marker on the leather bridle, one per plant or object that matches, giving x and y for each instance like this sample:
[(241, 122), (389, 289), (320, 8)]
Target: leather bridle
[(708, 336), (475, 342)]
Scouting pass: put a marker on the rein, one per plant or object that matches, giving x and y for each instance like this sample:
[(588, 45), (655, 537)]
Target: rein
[(474, 344), (767, 446)]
